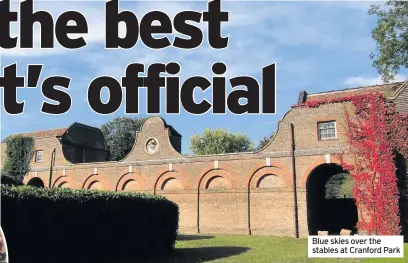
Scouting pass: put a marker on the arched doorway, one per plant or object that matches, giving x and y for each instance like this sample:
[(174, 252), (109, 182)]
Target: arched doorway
[(402, 174), (325, 211), (36, 182)]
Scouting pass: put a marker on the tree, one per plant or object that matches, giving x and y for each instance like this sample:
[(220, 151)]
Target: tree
[(120, 135), (264, 141), (219, 141), (339, 186), (20, 150), (391, 36)]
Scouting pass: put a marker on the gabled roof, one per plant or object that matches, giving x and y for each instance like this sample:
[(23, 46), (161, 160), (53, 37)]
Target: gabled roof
[(49, 133), (389, 91), (40, 134), (171, 128), (82, 125)]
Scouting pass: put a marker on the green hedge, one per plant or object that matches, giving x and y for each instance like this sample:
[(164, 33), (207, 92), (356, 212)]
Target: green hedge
[(65, 225), (8, 180)]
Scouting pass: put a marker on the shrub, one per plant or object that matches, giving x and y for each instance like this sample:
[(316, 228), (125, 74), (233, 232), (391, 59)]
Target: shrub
[(66, 225), (8, 180)]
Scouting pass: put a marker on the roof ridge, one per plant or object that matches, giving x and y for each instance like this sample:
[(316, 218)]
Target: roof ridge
[(401, 88), (358, 88), (35, 134), (41, 130)]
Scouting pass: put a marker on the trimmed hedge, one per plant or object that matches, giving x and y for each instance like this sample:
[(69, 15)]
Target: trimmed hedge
[(66, 225)]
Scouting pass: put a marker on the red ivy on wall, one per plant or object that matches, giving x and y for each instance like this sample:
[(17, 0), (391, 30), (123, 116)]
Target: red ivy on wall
[(375, 132)]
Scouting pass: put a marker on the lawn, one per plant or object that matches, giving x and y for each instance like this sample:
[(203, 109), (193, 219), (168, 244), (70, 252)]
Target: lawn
[(250, 249)]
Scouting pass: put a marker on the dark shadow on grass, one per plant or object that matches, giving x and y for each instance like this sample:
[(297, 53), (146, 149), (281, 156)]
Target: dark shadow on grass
[(193, 237), (179, 255), (203, 254)]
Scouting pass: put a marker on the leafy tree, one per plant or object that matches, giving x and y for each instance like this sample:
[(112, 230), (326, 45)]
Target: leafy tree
[(20, 150), (219, 141), (391, 36), (264, 141), (339, 186), (120, 135)]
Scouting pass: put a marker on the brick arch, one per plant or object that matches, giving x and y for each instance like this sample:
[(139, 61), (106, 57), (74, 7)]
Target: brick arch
[(170, 179), (140, 179), (64, 179), (34, 179), (255, 178), (333, 159), (164, 175), (260, 170), (41, 177), (96, 178), (210, 173)]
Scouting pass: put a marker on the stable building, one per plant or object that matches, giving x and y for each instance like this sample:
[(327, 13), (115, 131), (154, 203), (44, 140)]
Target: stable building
[(279, 190)]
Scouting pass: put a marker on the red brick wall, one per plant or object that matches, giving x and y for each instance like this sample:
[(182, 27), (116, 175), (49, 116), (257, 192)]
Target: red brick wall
[(227, 206)]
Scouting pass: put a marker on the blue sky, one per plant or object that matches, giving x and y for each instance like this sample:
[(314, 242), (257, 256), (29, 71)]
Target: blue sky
[(318, 46)]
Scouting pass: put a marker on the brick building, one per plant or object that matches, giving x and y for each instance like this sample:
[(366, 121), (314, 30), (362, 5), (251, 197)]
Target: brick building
[(278, 190)]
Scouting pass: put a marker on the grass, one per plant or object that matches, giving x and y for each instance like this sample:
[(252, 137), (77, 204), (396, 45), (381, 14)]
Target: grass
[(251, 249)]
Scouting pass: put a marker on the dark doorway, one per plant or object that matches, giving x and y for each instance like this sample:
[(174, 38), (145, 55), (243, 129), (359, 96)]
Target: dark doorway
[(402, 174), (36, 182), (325, 213)]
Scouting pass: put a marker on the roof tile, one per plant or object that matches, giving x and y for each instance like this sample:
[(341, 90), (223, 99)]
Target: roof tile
[(41, 134), (389, 91)]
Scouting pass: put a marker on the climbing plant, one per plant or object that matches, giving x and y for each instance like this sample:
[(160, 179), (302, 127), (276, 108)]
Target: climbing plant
[(19, 152), (375, 132)]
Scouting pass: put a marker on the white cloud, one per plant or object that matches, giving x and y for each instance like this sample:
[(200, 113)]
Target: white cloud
[(94, 12), (307, 49), (370, 81), (286, 24)]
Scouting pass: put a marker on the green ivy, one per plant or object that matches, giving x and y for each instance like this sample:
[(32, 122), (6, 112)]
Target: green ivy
[(20, 150)]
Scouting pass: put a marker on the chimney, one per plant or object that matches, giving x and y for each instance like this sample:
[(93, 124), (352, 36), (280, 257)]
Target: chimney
[(302, 97)]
